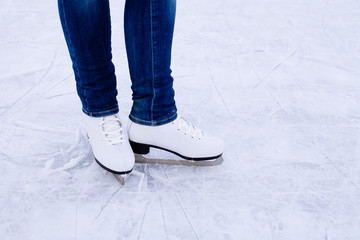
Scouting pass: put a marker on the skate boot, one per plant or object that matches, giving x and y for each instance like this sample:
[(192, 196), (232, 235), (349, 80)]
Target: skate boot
[(110, 144), (179, 137)]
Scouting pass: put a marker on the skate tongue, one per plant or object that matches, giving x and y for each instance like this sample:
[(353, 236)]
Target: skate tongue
[(113, 129), (110, 122)]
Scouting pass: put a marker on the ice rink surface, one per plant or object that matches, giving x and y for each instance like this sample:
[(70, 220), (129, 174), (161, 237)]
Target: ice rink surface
[(278, 80)]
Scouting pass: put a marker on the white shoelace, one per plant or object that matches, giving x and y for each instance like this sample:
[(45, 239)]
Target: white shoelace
[(113, 132), (189, 128)]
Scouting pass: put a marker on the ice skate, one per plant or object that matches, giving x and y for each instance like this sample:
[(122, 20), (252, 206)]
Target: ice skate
[(178, 137), (110, 144)]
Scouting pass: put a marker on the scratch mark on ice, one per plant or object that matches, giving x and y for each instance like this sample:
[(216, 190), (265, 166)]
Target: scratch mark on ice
[(163, 217), (142, 220), (107, 202), (181, 206), (316, 144), (292, 53), (141, 175), (76, 220), (33, 87), (38, 128)]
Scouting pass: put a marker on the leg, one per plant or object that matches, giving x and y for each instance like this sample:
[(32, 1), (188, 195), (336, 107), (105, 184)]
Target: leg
[(87, 29), (149, 26)]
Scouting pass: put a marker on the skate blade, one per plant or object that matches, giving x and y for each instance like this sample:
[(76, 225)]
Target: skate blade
[(121, 178), (129, 178), (215, 162)]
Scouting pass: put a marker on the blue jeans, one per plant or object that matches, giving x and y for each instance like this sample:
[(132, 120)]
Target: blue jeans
[(149, 26)]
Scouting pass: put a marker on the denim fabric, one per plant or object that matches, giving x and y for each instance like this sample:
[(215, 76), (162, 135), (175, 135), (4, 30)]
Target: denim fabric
[(87, 30), (149, 26)]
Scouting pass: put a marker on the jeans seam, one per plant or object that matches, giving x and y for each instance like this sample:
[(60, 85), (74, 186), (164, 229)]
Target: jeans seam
[(71, 48), (102, 37), (152, 61), (163, 120), (66, 32)]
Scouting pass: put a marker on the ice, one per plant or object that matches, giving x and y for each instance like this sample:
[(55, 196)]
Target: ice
[(277, 80)]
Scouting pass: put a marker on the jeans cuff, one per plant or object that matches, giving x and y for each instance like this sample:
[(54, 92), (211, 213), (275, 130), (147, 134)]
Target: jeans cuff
[(171, 118), (113, 110)]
